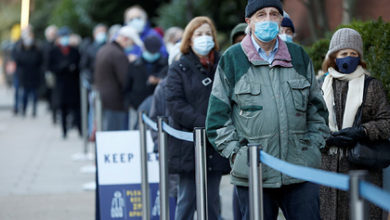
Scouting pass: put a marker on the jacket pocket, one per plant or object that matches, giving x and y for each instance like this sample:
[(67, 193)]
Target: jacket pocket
[(300, 93), (240, 166), (247, 95)]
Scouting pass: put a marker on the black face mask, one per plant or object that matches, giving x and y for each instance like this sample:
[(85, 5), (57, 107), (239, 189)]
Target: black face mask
[(347, 65)]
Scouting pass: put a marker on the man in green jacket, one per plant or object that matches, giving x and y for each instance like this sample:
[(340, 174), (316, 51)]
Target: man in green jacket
[(265, 92)]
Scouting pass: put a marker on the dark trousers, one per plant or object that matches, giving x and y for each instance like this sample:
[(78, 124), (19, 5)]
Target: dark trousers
[(186, 201), (297, 201), (67, 110), (30, 93)]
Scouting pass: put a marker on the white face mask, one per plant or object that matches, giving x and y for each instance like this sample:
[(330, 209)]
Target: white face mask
[(138, 24), (28, 41), (203, 45), (286, 37)]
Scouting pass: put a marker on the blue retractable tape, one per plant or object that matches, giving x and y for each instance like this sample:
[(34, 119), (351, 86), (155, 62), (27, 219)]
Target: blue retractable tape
[(182, 135), (149, 122), (334, 180), (375, 195)]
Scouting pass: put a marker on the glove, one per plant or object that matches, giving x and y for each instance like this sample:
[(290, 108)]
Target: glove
[(340, 141), (356, 133)]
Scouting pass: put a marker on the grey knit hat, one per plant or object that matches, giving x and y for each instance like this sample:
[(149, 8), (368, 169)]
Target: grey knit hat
[(346, 38)]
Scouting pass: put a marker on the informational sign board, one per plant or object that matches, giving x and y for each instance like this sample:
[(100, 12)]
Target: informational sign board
[(119, 175)]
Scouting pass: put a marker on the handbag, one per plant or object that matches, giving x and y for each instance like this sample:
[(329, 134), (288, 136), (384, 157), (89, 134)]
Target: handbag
[(370, 154)]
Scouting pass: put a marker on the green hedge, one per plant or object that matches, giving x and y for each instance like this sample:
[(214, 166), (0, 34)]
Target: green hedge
[(376, 40)]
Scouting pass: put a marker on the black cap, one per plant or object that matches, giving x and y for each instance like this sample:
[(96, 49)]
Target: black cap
[(255, 5), (152, 44), (286, 22)]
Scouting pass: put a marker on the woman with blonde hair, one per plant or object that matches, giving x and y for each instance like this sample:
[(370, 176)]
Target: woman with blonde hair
[(188, 89), (358, 111)]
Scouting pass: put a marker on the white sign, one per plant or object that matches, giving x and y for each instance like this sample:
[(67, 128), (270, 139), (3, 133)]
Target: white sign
[(119, 158)]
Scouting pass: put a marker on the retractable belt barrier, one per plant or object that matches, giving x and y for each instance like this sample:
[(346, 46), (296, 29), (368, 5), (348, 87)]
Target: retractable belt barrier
[(366, 190), (181, 135)]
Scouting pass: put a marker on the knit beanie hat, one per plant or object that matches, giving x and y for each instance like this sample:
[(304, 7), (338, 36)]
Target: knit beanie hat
[(152, 43), (346, 38), (238, 30), (255, 5), (286, 22)]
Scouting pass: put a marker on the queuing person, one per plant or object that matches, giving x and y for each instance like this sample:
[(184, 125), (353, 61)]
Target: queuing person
[(265, 92), (236, 36), (87, 62), (345, 85), (87, 66), (188, 88), (159, 108), (287, 30), (137, 18), (47, 46), (113, 32), (111, 68), (238, 33), (145, 73), (172, 36), (64, 63), (29, 60)]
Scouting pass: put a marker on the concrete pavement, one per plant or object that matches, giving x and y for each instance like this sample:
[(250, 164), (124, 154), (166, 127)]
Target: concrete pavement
[(38, 178)]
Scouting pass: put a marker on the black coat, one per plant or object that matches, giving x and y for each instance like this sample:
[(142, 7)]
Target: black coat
[(188, 93), (137, 87), (66, 69), (87, 62), (29, 65)]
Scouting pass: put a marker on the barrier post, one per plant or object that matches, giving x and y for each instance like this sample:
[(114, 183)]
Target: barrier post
[(200, 173), (163, 158), (357, 206), (99, 112), (84, 113), (255, 182), (144, 169)]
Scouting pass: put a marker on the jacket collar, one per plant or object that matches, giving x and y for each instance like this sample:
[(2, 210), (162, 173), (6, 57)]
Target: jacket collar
[(282, 56)]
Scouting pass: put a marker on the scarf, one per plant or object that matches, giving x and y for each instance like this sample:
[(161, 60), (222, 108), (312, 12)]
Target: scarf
[(354, 96), (208, 61)]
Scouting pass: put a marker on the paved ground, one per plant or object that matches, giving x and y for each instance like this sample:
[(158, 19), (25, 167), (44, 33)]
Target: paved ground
[(38, 178)]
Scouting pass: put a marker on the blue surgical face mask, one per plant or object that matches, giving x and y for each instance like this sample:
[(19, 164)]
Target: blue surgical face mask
[(150, 57), (101, 38), (64, 41), (138, 24), (347, 65), (128, 49), (286, 37), (203, 45), (266, 30)]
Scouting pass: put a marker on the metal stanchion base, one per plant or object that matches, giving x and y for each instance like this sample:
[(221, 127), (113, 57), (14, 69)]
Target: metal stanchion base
[(83, 157), (88, 169), (91, 186)]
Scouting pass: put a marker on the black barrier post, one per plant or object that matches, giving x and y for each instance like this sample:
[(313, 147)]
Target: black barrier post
[(144, 169), (98, 112), (200, 173), (163, 159), (357, 206), (84, 114), (255, 182)]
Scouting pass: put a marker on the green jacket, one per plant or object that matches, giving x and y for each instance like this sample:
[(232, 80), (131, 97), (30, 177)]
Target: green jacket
[(279, 106)]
